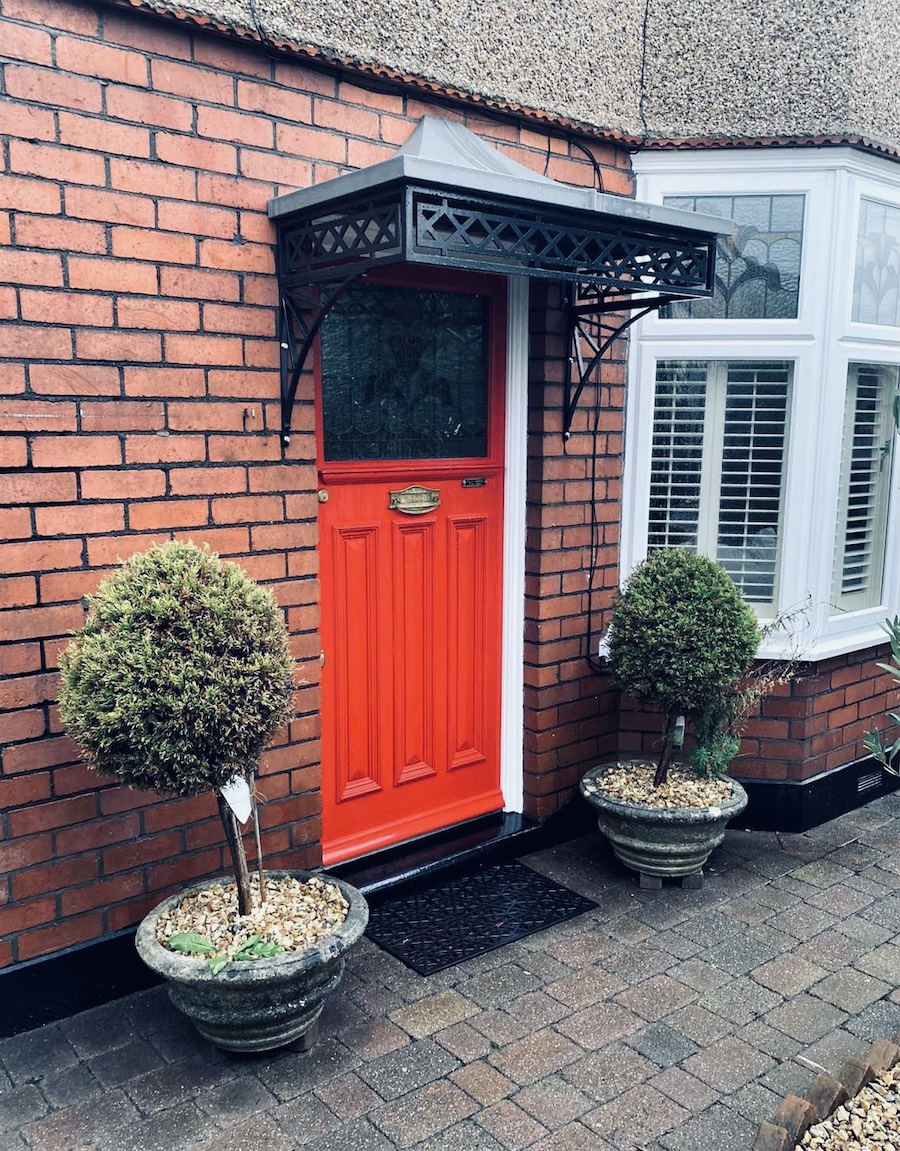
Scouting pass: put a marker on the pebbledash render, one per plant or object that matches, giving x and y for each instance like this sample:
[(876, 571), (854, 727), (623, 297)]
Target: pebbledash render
[(163, 375)]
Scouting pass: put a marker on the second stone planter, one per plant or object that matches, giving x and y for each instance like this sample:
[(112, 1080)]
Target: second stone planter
[(661, 842)]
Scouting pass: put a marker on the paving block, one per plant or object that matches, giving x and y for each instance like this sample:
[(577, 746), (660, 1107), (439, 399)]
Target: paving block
[(772, 1138), (484, 1083), (826, 1094), (855, 1073), (882, 1055), (21, 1105), (422, 1113), (433, 1013), (408, 1069), (795, 1115)]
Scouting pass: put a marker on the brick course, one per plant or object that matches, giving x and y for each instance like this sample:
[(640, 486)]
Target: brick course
[(570, 713)]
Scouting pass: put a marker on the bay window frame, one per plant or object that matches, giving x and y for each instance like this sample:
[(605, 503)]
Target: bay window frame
[(880, 459), (867, 621), (709, 396), (822, 341)]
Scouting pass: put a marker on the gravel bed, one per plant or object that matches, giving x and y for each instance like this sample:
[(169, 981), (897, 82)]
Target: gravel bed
[(295, 914), (633, 783)]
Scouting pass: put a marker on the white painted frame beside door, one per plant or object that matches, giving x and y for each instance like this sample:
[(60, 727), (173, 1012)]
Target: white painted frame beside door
[(513, 642)]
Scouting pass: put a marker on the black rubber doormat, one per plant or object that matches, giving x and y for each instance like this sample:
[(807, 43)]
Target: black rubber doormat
[(456, 919)]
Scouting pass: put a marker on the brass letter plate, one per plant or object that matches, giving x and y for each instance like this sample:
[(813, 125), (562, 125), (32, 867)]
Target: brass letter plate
[(415, 500)]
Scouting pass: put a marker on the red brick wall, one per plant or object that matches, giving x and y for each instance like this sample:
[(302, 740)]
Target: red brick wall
[(139, 402), (571, 713)]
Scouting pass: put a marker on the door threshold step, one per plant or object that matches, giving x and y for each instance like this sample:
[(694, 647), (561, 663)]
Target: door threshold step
[(502, 834)]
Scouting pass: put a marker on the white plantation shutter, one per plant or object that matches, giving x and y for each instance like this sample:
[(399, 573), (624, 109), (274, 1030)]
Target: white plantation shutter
[(717, 466), (753, 456), (676, 471), (865, 485)]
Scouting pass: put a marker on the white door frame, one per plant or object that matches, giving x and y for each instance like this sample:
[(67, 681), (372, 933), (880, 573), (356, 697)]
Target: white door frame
[(512, 673)]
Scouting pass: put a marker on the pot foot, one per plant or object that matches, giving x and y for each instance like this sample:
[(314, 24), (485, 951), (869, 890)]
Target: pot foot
[(309, 1037), (692, 882)]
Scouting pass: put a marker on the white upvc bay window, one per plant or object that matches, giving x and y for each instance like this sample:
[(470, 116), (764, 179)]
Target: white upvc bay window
[(760, 424)]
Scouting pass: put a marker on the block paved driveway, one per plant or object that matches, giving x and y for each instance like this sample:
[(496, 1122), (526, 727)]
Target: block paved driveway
[(662, 1021)]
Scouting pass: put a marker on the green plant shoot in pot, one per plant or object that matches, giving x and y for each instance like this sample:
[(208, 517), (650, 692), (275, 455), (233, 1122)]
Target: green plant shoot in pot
[(681, 643), (179, 678), (888, 754)]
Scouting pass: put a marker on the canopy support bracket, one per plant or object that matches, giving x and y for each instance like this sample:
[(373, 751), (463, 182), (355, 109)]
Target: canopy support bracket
[(596, 320), (300, 316)]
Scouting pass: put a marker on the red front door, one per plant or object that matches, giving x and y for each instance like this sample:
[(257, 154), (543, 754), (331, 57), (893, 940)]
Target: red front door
[(410, 531)]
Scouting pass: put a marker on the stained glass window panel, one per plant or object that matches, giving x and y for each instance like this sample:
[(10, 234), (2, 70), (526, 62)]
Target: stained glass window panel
[(405, 375), (757, 269), (876, 299)]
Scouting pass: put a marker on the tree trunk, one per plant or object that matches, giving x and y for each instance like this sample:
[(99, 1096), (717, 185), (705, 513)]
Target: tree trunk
[(665, 758), (238, 855)]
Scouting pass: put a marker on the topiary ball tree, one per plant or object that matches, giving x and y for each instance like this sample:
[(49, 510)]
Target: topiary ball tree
[(682, 637), (179, 678)]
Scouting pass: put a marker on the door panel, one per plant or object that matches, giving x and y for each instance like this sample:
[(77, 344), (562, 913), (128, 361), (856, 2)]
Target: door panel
[(468, 569), (411, 600), (355, 639), (414, 674)]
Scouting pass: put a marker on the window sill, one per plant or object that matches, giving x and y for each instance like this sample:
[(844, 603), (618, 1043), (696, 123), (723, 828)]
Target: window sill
[(827, 646)]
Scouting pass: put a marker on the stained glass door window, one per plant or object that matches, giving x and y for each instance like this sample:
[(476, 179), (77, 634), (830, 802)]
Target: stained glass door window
[(405, 375)]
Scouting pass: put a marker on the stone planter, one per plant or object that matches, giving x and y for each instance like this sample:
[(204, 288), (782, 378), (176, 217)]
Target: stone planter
[(660, 842), (264, 1003)]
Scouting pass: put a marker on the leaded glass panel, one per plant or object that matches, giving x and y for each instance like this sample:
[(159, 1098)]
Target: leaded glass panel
[(405, 375), (757, 269), (876, 299)]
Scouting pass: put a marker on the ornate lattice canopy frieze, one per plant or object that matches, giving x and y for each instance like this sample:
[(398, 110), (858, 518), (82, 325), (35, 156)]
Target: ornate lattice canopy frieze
[(448, 199)]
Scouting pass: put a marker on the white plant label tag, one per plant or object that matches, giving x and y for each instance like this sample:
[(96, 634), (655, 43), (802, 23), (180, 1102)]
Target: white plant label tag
[(236, 794)]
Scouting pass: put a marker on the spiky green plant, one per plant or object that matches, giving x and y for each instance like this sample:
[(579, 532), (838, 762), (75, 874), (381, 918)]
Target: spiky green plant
[(179, 678), (888, 754), (681, 639)]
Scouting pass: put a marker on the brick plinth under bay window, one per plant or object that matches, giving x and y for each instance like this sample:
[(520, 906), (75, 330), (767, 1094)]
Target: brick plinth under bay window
[(813, 724)]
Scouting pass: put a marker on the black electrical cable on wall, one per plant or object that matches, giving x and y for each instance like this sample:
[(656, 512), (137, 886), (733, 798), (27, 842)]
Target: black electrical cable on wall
[(594, 661)]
